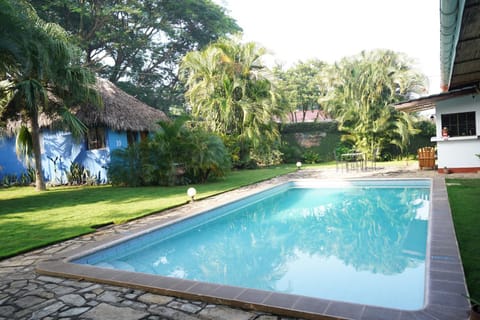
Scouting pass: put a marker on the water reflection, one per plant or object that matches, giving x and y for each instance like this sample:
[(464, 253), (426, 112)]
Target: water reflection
[(326, 243)]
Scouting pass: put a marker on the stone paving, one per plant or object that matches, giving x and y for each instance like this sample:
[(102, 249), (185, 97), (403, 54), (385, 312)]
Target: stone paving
[(24, 294)]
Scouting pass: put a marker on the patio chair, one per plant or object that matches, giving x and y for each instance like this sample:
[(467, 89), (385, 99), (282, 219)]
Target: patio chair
[(426, 158)]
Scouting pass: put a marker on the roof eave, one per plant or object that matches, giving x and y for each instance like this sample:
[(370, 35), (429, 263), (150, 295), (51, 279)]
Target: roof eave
[(429, 102), (451, 12)]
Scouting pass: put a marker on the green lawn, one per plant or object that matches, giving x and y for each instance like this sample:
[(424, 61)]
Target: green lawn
[(29, 219), (464, 198)]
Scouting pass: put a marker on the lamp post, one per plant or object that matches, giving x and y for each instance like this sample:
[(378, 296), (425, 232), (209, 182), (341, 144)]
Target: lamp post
[(191, 192)]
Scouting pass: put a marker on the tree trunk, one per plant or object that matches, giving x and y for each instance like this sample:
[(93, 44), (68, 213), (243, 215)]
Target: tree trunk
[(39, 182)]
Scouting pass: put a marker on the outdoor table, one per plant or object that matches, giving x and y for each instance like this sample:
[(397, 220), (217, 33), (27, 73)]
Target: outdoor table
[(354, 159)]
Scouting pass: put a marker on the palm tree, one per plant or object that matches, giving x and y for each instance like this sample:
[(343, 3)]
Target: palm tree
[(361, 90), (40, 63), (230, 90)]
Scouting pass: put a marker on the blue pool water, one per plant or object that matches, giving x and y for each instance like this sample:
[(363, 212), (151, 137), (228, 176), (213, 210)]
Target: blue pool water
[(361, 242)]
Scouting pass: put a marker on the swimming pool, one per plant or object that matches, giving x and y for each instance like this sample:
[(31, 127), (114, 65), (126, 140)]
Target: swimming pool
[(361, 242), (339, 251)]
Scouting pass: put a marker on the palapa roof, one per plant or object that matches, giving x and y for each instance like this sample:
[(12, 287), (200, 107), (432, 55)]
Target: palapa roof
[(120, 111)]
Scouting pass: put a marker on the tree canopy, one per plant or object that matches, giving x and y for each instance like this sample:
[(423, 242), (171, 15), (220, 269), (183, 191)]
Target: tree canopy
[(300, 86), (138, 44)]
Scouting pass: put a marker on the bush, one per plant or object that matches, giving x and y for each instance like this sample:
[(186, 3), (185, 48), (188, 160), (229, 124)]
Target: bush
[(208, 157), (311, 157), (174, 155), (291, 152), (126, 166)]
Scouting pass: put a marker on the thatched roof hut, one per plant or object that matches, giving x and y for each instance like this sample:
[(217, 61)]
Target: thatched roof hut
[(120, 111)]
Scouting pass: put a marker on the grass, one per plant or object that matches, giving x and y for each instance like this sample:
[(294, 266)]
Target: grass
[(29, 219), (464, 198)]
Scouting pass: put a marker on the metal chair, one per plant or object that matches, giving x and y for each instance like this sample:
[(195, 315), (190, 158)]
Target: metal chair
[(338, 160), (373, 160)]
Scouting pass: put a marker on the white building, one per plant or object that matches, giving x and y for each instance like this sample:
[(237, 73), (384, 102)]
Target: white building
[(457, 110)]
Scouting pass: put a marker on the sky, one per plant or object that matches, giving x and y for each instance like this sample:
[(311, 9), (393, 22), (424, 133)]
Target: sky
[(298, 30)]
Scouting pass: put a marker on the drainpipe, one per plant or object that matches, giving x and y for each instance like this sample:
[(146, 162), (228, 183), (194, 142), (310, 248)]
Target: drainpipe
[(451, 12)]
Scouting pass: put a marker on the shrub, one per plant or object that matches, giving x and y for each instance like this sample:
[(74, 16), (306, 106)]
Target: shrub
[(291, 153), (126, 166), (209, 157), (311, 157), (78, 174), (174, 155)]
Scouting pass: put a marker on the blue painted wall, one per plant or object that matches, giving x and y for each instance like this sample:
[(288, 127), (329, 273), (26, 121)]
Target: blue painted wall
[(59, 151), (116, 139), (9, 164)]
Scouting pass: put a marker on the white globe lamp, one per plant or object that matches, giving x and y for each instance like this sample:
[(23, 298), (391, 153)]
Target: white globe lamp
[(191, 193)]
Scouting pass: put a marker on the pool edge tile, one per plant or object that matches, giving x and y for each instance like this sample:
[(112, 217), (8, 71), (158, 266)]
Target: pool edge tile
[(443, 273)]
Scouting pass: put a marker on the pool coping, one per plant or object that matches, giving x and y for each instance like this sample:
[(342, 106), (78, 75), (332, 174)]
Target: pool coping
[(445, 289)]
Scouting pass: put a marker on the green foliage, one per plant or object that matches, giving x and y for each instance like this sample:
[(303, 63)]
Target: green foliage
[(265, 155), (209, 157), (230, 92), (174, 155), (311, 157), (426, 127), (78, 174), (343, 148), (142, 41), (240, 154), (24, 145), (165, 154), (299, 85), (125, 168), (291, 151), (24, 179), (363, 88), (38, 61)]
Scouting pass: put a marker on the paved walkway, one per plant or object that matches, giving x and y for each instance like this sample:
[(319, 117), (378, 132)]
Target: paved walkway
[(24, 294)]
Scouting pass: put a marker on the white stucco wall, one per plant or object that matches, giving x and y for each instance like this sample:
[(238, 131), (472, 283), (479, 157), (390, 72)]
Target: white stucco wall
[(458, 152)]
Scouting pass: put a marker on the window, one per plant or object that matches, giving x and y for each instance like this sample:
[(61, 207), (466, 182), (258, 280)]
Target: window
[(132, 137), (96, 138), (459, 124), (143, 135), (136, 136)]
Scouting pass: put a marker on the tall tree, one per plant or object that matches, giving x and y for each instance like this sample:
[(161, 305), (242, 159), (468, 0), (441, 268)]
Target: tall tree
[(40, 63), (231, 91), (138, 44), (301, 86), (361, 90)]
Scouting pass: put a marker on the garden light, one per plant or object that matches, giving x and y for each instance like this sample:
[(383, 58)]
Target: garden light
[(191, 192)]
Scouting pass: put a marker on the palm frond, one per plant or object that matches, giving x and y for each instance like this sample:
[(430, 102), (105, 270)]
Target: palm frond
[(24, 145), (75, 125)]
